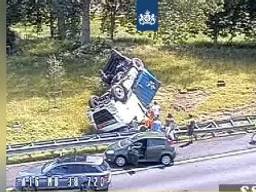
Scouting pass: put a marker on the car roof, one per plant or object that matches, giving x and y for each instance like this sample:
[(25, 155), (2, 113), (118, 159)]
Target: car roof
[(149, 135), (88, 159)]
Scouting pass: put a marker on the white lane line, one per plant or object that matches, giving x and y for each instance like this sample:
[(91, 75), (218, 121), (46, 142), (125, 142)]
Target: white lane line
[(228, 154), (10, 189), (218, 156)]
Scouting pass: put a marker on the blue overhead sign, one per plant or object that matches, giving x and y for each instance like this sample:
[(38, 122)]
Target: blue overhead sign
[(147, 15)]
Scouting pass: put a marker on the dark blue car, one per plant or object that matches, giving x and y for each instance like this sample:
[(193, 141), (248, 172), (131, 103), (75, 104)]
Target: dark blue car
[(79, 172)]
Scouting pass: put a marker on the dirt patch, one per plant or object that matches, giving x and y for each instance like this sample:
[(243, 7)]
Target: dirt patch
[(187, 101)]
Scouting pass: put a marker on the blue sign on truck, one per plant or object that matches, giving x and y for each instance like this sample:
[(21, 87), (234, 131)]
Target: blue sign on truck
[(146, 87)]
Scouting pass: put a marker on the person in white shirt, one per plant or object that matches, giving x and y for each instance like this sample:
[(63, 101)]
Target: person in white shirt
[(156, 109), (170, 127)]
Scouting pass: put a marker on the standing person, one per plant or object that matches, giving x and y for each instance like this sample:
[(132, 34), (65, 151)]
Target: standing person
[(157, 125), (156, 109), (149, 119), (135, 124), (191, 126), (133, 156), (170, 127)]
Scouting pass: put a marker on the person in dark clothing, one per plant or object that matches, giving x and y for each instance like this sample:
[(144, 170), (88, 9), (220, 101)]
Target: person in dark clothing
[(133, 155), (191, 127), (253, 139)]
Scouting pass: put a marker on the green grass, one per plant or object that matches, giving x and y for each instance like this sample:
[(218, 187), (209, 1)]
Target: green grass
[(201, 68), (188, 67), (30, 31)]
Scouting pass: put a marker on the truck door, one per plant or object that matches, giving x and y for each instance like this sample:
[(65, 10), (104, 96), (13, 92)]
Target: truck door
[(146, 87)]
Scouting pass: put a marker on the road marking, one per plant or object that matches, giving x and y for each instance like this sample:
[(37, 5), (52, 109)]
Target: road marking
[(217, 156), (10, 189)]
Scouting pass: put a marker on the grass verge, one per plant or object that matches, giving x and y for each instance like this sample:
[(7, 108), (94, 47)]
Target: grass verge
[(30, 107)]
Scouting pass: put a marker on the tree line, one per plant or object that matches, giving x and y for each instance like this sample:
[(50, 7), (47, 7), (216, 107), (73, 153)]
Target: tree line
[(179, 19)]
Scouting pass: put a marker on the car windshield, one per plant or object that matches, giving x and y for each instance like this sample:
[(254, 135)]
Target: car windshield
[(125, 142), (46, 166)]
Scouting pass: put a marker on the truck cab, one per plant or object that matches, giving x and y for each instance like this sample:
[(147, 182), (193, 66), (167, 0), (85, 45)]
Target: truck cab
[(116, 115)]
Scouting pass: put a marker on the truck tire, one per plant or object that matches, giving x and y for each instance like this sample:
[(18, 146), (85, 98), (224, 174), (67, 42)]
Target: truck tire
[(117, 77), (138, 64), (93, 101), (119, 93)]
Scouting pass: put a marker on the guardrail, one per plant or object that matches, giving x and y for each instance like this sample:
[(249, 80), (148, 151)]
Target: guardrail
[(229, 126)]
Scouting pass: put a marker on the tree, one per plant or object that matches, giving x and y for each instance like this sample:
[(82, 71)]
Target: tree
[(85, 30), (250, 29), (114, 13), (214, 12), (14, 15), (180, 19), (51, 18), (229, 18), (14, 12)]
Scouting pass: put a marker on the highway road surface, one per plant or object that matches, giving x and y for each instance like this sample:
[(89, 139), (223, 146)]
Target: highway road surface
[(198, 176)]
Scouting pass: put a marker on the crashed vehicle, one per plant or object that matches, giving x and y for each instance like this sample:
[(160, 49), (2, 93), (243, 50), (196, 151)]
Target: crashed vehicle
[(131, 89)]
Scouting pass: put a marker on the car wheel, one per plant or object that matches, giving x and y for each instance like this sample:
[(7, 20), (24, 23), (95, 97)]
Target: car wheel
[(93, 101), (120, 161), (119, 92), (166, 160), (106, 189)]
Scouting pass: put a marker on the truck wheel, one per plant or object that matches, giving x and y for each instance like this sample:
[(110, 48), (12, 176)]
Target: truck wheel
[(166, 160), (120, 161), (117, 77), (93, 101), (138, 64), (119, 92)]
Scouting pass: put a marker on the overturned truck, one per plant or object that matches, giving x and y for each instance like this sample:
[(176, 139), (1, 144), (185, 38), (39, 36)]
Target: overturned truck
[(130, 90)]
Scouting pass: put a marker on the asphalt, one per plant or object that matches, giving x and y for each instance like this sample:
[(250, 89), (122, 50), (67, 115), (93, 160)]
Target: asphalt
[(198, 176), (197, 149)]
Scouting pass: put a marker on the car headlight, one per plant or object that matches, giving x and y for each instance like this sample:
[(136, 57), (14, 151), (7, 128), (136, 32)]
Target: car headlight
[(110, 152)]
